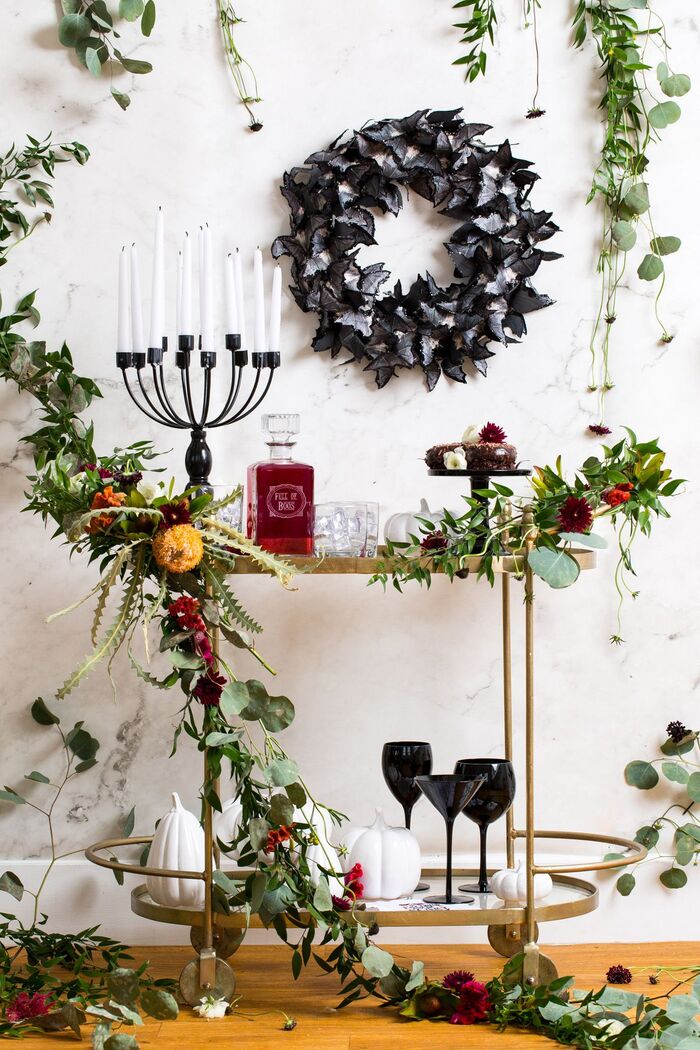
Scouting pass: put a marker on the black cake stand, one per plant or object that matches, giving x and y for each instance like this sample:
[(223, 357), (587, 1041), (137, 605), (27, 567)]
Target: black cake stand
[(478, 480)]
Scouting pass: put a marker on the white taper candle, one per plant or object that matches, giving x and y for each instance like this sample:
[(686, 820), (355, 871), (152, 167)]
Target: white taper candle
[(186, 308), (240, 298), (259, 285), (276, 310), (158, 285), (136, 308), (123, 320), (231, 296)]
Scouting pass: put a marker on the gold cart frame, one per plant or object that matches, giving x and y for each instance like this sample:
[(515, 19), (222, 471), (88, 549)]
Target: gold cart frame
[(512, 928)]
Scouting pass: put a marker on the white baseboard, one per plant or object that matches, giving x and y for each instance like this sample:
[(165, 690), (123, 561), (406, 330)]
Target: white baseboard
[(79, 895)]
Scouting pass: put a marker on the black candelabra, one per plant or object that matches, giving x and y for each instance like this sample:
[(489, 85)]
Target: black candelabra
[(157, 404)]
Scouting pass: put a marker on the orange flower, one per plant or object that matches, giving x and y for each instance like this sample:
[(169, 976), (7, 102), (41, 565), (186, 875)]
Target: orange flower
[(277, 836), (106, 498), (178, 549)]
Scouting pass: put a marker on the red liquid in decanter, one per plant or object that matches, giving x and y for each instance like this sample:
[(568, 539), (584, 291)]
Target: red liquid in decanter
[(281, 494)]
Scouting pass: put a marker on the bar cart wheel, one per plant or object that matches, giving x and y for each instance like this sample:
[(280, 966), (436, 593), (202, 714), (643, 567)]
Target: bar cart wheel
[(226, 942), (509, 940), (194, 987), (535, 969)]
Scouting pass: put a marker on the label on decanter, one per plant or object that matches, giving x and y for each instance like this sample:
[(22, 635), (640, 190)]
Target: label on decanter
[(286, 501)]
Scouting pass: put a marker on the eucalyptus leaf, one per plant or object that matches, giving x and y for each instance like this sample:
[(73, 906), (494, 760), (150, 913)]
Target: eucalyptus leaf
[(10, 795), (693, 787), (42, 715), (650, 268), (625, 884), (184, 661), (663, 114), (72, 28), (675, 772), (39, 778), (665, 245), (555, 567), (377, 962), (130, 9), (132, 65), (641, 775), (673, 878), (322, 895), (585, 539), (158, 1003), (675, 85), (148, 20), (624, 235), (281, 810), (417, 977), (281, 772), (122, 100), (257, 832), (637, 198), (235, 697), (92, 61), (12, 884)]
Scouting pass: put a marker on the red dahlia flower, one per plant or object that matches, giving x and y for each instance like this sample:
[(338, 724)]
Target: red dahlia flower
[(177, 513), (209, 688), (457, 979), (26, 1006), (491, 434), (185, 611), (619, 975), (473, 1004), (575, 515), (434, 541), (599, 428)]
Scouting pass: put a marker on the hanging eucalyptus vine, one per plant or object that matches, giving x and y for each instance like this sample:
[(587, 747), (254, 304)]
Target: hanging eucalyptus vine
[(639, 101)]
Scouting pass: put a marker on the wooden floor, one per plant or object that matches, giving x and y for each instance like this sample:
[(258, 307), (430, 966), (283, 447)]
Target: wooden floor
[(266, 987)]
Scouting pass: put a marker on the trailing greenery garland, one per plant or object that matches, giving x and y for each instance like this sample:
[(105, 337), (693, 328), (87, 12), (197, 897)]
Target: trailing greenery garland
[(639, 101)]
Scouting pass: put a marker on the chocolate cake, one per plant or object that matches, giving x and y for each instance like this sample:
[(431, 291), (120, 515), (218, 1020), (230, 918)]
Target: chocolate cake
[(487, 453), (435, 456)]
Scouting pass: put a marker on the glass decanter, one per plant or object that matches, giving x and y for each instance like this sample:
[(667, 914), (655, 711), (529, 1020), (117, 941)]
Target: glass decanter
[(281, 492)]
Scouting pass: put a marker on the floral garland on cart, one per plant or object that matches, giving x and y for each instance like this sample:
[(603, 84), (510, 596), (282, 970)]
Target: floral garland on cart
[(165, 557)]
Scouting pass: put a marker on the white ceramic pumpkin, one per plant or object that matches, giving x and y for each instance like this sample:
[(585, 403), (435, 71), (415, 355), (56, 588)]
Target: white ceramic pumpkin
[(390, 859), (226, 824), (510, 884), (400, 527), (323, 854), (178, 843)]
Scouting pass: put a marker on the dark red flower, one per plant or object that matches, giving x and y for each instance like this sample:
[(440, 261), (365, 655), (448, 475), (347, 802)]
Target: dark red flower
[(341, 903), (209, 688), (575, 515), (618, 975), (456, 980), (677, 731), (534, 113), (127, 480), (353, 880), (491, 434), (177, 513), (473, 1004), (26, 1006), (185, 612), (434, 541), (203, 646), (599, 428), (278, 836)]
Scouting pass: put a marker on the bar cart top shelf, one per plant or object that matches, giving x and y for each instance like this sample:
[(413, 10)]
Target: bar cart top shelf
[(509, 563)]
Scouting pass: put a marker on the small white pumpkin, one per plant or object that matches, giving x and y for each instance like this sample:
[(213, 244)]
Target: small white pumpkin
[(400, 527), (323, 854), (510, 884), (178, 843), (226, 824), (390, 859)]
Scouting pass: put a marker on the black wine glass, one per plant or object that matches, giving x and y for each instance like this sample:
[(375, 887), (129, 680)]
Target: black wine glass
[(489, 803), (449, 793), (402, 762)]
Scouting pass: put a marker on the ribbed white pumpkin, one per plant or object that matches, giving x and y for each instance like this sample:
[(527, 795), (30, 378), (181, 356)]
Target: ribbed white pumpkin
[(510, 884), (390, 859), (178, 843), (400, 527), (323, 854), (227, 823)]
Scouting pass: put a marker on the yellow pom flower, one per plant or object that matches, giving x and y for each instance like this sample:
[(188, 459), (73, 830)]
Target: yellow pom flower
[(179, 548)]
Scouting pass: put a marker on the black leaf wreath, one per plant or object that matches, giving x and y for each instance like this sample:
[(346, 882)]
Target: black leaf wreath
[(494, 248)]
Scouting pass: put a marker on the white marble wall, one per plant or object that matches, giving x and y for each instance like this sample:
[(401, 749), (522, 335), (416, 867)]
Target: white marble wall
[(361, 666)]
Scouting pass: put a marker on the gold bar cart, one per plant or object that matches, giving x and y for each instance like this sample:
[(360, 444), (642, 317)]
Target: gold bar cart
[(511, 928)]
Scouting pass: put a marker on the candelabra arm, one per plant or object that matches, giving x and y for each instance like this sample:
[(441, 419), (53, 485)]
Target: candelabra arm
[(157, 414), (233, 392), (187, 394), (220, 422), (127, 384), (206, 398), (161, 391), (242, 414)]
